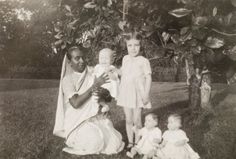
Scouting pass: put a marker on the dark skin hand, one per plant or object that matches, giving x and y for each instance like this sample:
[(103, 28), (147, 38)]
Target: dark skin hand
[(78, 100)]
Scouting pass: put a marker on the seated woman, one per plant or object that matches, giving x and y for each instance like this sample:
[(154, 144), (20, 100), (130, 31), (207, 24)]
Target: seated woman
[(77, 117)]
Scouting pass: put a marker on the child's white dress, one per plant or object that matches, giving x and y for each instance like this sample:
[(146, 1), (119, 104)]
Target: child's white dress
[(146, 143), (171, 151), (134, 70), (113, 84)]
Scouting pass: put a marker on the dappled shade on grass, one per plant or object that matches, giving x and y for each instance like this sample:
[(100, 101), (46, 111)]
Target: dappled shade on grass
[(27, 120)]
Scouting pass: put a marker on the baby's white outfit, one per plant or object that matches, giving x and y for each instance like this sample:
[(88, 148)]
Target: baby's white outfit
[(172, 151), (146, 144), (113, 84)]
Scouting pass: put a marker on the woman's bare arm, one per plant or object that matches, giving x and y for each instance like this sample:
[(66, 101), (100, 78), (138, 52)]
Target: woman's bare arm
[(78, 100)]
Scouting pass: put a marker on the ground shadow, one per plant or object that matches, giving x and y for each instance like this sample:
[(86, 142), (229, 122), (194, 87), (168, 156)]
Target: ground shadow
[(195, 133), (23, 84), (221, 95)]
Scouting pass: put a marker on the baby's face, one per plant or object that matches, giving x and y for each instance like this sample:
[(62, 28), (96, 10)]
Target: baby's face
[(173, 124), (105, 58), (150, 122)]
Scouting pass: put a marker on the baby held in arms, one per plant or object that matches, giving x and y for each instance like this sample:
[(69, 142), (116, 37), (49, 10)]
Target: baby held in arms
[(105, 66)]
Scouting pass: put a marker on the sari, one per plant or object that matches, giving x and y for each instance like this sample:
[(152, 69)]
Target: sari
[(85, 132)]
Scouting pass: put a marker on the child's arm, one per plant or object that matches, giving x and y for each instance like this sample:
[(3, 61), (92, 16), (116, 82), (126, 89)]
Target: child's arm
[(147, 88), (183, 139), (156, 142), (163, 144), (148, 83)]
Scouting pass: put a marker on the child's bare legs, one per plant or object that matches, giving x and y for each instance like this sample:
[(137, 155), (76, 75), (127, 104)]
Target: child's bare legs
[(129, 125), (145, 157), (133, 118), (137, 122), (132, 152)]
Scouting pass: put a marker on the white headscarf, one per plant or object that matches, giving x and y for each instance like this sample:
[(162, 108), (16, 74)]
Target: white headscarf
[(60, 113)]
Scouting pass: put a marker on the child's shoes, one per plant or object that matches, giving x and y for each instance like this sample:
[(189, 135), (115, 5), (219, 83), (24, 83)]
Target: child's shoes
[(129, 154)]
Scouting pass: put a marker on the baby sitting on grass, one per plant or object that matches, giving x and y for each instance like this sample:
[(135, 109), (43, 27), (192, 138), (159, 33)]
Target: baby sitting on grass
[(175, 142), (149, 138)]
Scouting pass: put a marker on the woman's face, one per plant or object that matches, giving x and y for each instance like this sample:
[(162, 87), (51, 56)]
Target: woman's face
[(133, 47), (77, 61)]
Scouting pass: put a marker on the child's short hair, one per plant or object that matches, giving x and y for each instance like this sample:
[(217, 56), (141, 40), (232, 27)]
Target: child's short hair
[(106, 50), (132, 35), (154, 116)]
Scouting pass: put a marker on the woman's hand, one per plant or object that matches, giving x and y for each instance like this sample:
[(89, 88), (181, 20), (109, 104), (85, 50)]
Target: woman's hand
[(101, 80)]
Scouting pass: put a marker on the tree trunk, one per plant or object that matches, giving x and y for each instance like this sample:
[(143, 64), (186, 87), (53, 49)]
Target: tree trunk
[(194, 92), (187, 69), (178, 72), (205, 91)]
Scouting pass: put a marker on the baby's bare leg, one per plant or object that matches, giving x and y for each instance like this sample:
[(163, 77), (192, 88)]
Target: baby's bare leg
[(132, 152), (145, 157)]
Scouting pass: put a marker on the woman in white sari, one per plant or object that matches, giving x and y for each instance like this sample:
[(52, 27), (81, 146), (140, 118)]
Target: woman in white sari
[(76, 117)]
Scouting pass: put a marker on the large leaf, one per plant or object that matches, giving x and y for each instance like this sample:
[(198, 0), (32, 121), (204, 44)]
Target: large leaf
[(58, 35), (185, 37), (175, 38), (214, 12), (184, 30), (122, 24), (181, 12), (233, 2), (214, 43), (200, 21), (90, 5), (68, 8), (183, 1), (165, 36), (109, 3), (232, 53), (58, 42), (196, 49), (87, 44), (72, 24), (227, 18)]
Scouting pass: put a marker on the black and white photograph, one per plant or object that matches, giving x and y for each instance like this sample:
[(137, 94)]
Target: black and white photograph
[(117, 79)]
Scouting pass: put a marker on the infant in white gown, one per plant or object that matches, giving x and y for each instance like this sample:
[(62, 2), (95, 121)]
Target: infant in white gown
[(105, 66), (175, 142), (150, 137)]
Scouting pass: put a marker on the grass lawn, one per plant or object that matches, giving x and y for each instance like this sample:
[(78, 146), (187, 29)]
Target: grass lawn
[(27, 112)]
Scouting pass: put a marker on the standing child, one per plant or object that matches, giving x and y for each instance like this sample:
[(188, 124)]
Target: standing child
[(105, 66), (175, 142), (150, 137), (135, 85)]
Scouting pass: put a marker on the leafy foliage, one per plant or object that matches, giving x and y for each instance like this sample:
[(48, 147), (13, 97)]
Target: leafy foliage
[(26, 32), (183, 26)]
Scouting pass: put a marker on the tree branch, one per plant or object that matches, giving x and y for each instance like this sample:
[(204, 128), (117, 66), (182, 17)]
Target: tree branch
[(223, 33)]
